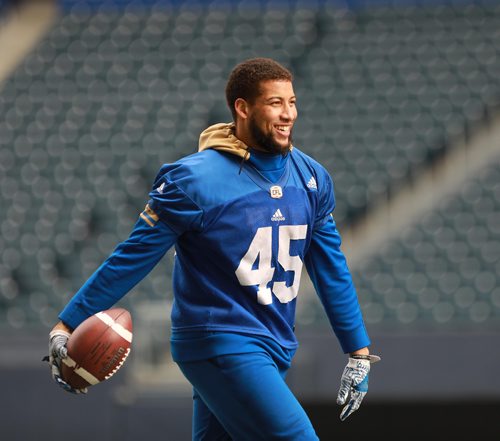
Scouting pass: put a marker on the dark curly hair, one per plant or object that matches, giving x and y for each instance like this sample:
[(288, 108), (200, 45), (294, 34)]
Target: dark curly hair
[(245, 79)]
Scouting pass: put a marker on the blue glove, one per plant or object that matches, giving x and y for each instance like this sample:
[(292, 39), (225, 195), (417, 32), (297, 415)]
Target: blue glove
[(57, 352), (354, 381)]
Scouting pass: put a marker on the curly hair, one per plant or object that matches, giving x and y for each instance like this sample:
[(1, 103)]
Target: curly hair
[(245, 79)]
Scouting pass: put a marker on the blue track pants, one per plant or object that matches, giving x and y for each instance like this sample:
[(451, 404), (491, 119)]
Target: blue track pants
[(244, 397)]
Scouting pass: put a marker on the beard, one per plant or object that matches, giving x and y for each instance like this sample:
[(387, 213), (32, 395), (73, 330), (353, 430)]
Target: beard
[(266, 142)]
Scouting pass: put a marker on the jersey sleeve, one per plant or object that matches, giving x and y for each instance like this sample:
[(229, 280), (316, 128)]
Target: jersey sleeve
[(326, 199), (170, 201), (129, 263), (327, 268)]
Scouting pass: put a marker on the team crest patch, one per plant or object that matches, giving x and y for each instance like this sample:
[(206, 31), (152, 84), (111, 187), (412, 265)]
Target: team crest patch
[(276, 192)]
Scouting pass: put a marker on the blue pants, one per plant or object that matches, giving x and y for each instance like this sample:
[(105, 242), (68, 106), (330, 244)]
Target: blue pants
[(244, 397)]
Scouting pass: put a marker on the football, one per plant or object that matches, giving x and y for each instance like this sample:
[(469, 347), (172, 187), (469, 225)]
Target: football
[(97, 348)]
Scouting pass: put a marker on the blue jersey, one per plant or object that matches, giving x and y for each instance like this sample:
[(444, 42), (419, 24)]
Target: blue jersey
[(240, 249), (241, 240)]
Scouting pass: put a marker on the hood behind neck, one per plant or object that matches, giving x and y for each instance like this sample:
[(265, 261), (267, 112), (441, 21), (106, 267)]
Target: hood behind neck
[(221, 137)]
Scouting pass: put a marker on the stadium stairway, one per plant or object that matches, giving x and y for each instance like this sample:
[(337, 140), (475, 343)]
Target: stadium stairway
[(21, 31), (419, 196)]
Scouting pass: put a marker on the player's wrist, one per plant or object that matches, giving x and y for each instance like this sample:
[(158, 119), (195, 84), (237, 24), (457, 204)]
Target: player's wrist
[(61, 326), (361, 351)]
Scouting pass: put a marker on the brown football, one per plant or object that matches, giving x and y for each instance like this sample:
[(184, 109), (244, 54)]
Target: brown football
[(97, 348)]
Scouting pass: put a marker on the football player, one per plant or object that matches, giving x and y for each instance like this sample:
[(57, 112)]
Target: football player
[(244, 214)]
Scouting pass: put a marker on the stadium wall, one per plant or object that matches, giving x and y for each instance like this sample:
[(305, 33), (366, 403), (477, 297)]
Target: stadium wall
[(428, 387)]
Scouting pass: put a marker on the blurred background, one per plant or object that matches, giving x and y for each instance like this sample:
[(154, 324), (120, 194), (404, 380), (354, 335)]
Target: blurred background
[(400, 100)]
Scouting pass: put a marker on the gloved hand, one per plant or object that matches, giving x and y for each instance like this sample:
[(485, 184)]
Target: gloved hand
[(354, 381), (57, 352)]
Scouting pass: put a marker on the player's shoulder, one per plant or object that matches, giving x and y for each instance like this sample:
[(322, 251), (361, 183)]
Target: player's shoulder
[(203, 177), (205, 158), (304, 160), (205, 164), (309, 166)]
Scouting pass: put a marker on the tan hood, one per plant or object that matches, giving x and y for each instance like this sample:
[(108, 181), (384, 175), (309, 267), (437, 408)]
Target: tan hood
[(221, 137)]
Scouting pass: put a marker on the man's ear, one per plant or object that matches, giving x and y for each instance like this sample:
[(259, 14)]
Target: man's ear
[(241, 107)]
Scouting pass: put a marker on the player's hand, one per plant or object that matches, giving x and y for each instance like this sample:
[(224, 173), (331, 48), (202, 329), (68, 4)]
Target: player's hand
[(354, 383), (57, 352)]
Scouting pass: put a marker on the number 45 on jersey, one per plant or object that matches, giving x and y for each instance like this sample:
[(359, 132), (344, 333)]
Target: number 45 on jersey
[(261, 249)]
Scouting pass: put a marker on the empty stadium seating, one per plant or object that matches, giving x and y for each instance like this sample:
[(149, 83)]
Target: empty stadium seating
[(108, 96)]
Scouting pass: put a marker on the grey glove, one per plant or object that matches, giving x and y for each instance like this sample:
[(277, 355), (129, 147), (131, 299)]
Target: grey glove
[(57, 352), (354, 381)]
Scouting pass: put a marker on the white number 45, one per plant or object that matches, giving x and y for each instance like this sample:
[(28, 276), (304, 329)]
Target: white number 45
[(261, 248)]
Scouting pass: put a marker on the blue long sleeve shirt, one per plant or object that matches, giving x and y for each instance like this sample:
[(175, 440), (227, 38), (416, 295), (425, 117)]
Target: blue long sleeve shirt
[(239, 253)]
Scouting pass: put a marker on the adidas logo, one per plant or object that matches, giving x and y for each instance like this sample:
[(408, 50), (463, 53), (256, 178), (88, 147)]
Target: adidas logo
[(312, 183), (278, 216)]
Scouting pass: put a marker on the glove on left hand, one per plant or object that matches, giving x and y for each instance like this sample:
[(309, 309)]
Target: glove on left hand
[(354, 381)]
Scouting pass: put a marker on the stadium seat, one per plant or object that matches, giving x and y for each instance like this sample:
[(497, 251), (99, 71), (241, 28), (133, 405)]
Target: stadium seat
[(109, 95)]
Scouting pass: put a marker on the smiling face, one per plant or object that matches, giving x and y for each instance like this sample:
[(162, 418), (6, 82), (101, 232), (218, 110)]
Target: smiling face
[(266, 123)]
